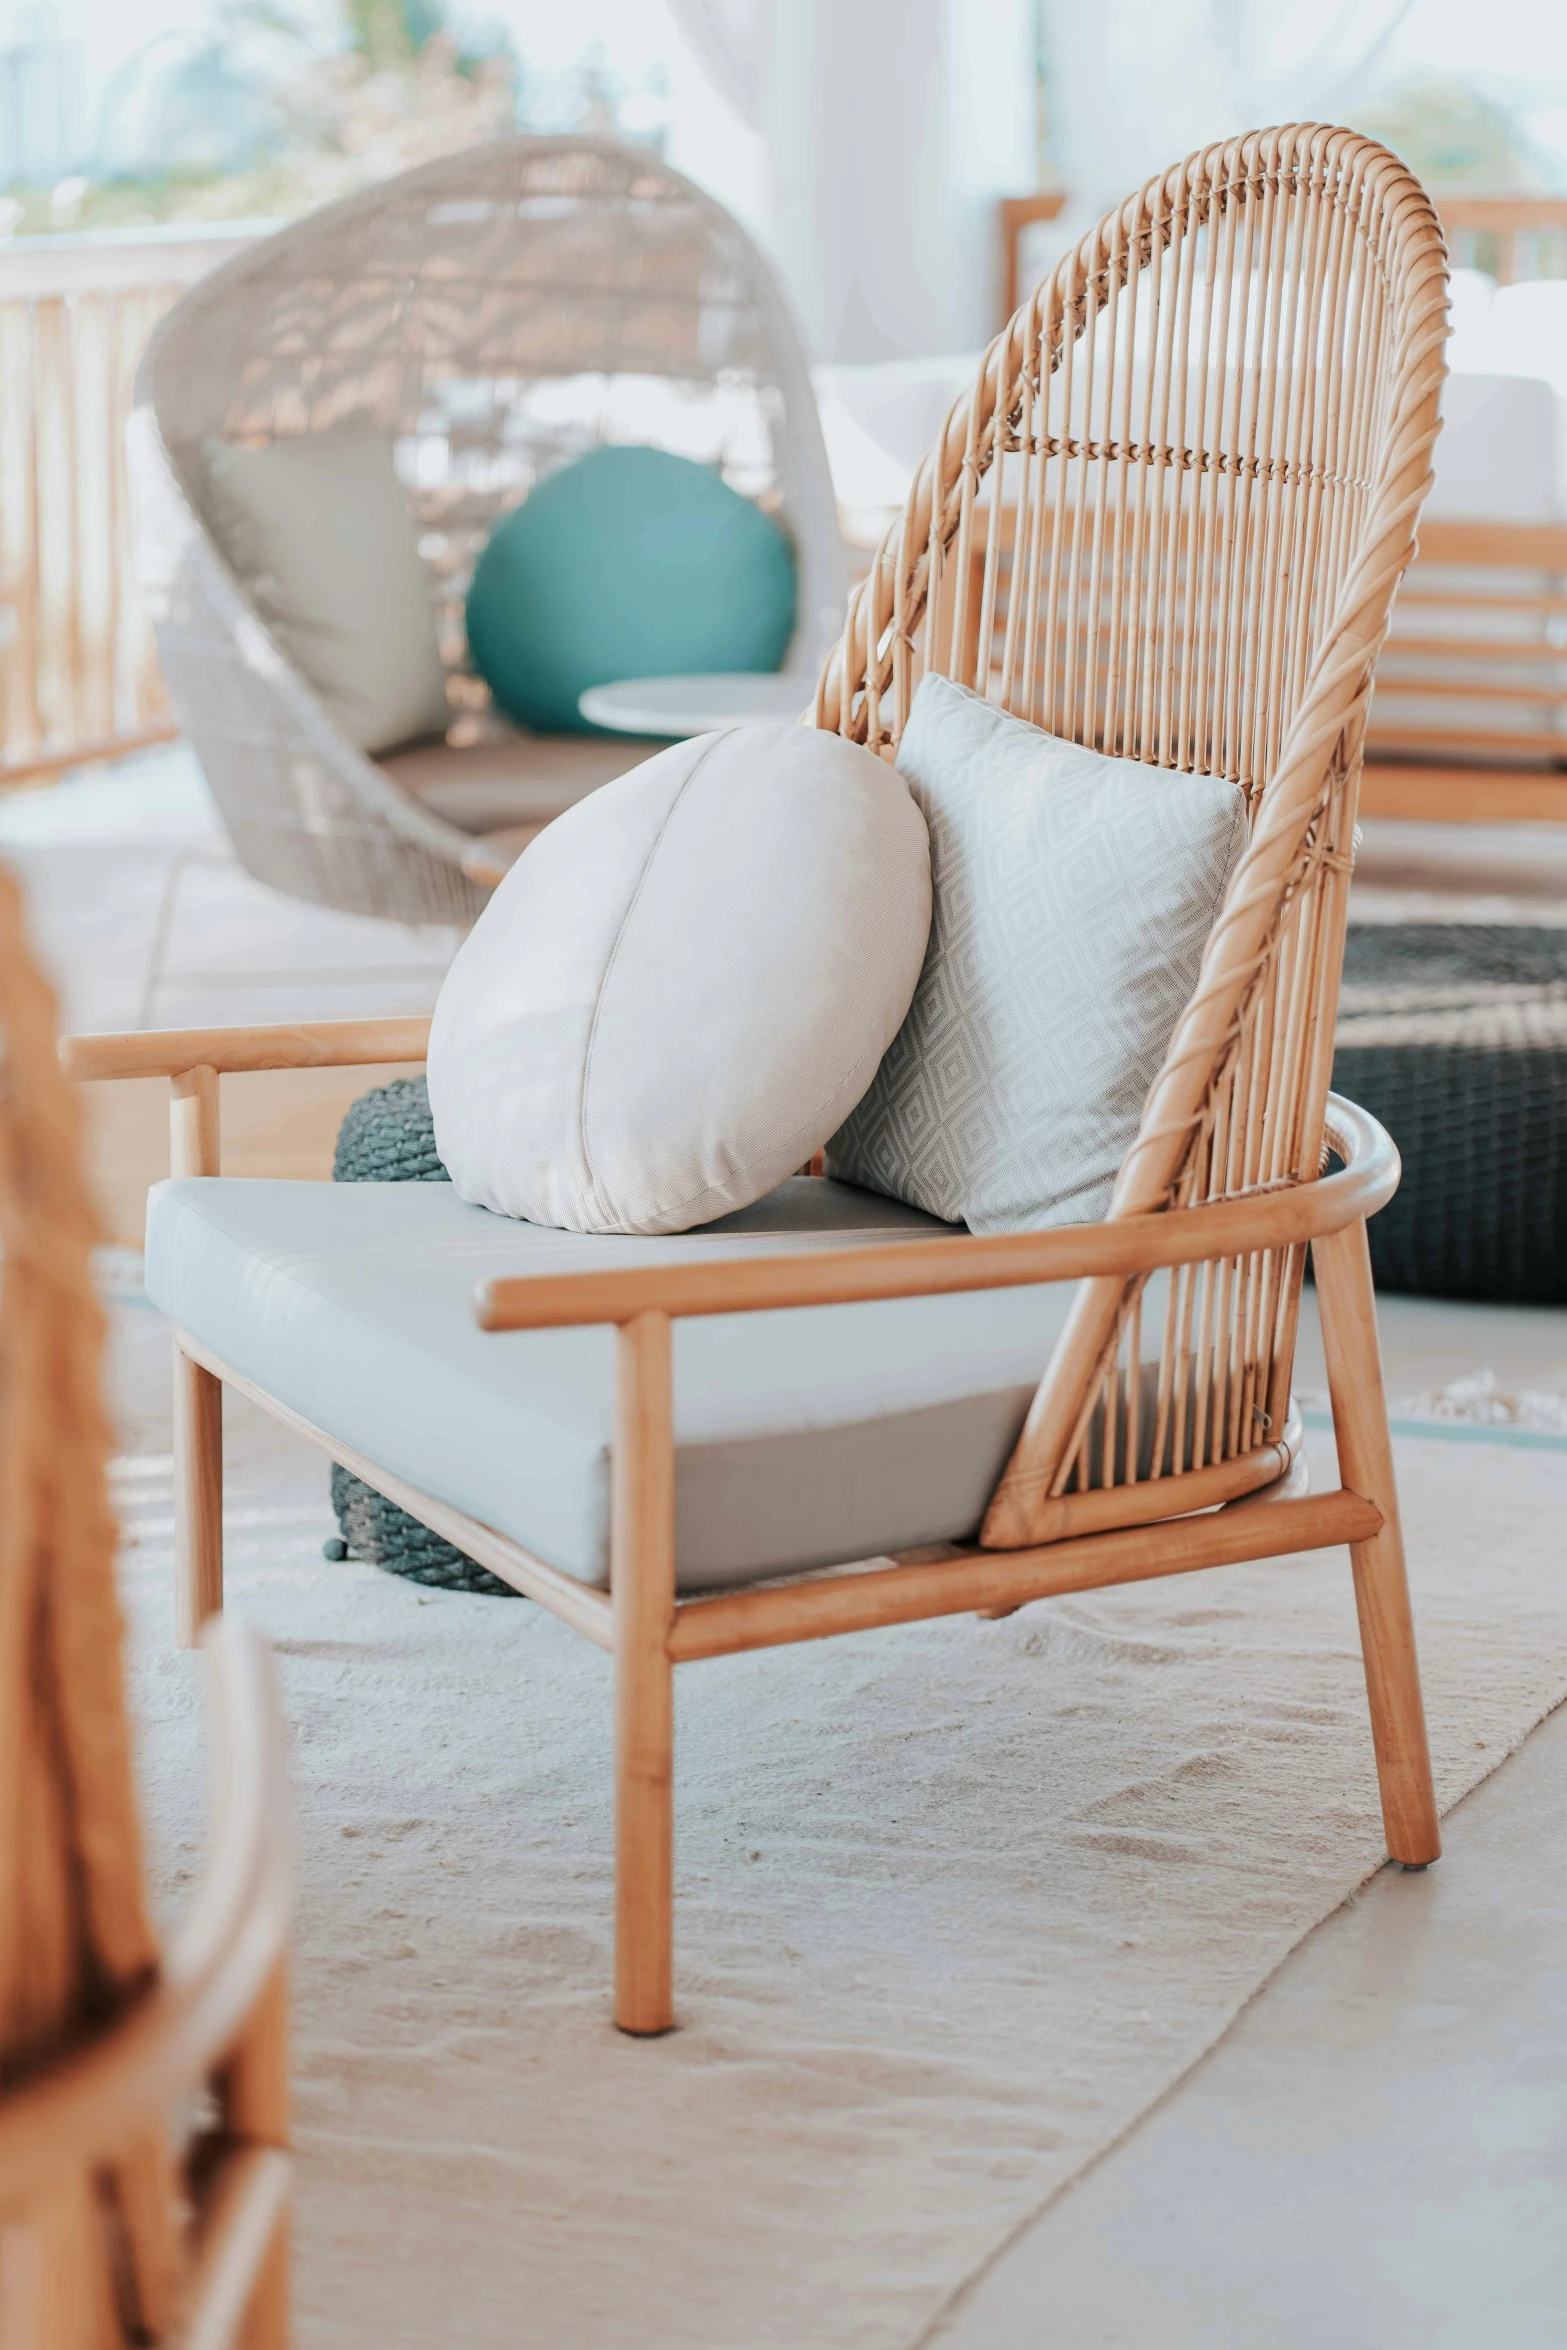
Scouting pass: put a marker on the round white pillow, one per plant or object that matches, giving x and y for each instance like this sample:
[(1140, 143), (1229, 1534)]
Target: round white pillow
[(684, 984)]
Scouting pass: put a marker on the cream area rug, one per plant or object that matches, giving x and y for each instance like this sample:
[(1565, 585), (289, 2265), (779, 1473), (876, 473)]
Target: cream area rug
[(957, 1903)]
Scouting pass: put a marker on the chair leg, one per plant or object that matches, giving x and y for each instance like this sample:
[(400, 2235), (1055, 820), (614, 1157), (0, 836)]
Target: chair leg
[(642, 1587), (266, 2324), (257, 2109), (198, 1496), (1387, 1636)]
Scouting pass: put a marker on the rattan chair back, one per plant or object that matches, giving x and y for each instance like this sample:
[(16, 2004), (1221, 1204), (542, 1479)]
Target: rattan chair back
[(1168, 522), (107, 2045), (500, 312)]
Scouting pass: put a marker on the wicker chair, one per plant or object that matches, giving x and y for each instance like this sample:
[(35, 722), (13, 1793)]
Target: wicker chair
[(143, 2095), (500, 311), (1192, 465)]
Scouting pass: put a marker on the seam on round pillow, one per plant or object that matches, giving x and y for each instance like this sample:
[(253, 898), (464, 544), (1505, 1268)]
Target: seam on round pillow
[(807, 1125), (625, 923)]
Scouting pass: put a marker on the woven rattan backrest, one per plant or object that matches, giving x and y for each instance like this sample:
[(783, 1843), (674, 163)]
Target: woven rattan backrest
[(1168, 522), (76, 1942), (502, 311)]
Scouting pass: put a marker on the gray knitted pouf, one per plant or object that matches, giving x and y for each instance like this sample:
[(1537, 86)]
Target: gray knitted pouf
[(387, 1137)]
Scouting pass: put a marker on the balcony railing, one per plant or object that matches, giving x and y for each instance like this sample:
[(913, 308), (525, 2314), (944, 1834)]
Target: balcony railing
[(78, 678), (1509, 237)]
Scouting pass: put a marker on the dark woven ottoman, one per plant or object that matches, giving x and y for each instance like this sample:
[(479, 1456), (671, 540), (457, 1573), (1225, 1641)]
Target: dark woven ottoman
[(387, 1137), (1455, 1037)]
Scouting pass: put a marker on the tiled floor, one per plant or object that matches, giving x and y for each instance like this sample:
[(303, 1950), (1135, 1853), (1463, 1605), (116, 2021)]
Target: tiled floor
[(1374, 2157), (97, 851), (96, 854)]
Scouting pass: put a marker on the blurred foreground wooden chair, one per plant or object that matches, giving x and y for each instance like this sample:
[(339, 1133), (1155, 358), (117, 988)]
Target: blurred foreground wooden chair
[(143, 2095), (1212, 428)]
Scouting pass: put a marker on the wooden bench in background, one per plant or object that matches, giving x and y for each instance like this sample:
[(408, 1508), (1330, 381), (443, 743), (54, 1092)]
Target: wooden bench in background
[(1510, 238), (1469, 720)]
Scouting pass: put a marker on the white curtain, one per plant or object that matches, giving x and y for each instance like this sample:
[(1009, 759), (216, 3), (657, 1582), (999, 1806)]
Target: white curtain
[(891, 127), (733, 41), (1136, 84)]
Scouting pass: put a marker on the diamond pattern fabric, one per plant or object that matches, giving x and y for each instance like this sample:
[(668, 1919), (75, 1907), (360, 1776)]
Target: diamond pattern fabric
[(1073, 897)]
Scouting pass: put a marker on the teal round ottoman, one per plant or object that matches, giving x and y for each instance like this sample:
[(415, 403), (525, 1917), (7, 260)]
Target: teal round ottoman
[(629, 562)]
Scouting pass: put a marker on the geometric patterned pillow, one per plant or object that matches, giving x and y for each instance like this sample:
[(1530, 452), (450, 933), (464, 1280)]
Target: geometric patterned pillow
[(1073, 897)]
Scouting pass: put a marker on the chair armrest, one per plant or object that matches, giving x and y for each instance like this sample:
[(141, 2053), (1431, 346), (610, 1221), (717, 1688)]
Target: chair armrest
[(925, 1268), (81, 2111), (173, 1052)]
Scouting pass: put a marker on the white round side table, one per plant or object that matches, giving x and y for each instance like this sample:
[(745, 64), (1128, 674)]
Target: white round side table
[(681, 706)]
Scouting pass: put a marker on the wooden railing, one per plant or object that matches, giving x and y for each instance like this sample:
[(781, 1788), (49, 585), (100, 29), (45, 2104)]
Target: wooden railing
[(1015, 216), (78, 679), (1509, 237)]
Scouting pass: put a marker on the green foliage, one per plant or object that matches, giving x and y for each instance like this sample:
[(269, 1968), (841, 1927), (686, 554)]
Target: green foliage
[(391, 33), (1452, 136), (395, 91)]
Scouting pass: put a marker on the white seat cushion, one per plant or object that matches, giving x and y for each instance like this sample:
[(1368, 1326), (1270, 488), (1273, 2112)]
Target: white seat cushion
[(1496, 457), (804, 1438)]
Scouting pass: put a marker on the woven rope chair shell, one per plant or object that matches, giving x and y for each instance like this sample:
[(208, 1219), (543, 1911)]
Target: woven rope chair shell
[(1169, 522), (103, 2040), (499, 312)]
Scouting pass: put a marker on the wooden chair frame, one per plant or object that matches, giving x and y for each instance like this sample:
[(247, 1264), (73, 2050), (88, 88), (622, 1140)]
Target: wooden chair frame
[(1217, 416), (215, 2021), (642, 1623)]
